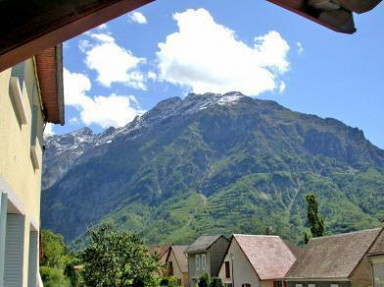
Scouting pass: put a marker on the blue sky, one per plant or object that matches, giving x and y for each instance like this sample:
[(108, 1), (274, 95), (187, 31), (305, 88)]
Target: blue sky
[(172, 47)]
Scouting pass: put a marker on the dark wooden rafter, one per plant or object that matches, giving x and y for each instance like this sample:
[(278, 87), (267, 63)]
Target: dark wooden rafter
[(333, 22), (30, 26)]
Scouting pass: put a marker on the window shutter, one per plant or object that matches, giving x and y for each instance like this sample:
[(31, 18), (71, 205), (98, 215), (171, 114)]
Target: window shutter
[(14, 250), (33, 258), (3, 222)]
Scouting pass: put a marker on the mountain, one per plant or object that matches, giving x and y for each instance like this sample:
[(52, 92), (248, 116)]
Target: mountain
[(213, 164)]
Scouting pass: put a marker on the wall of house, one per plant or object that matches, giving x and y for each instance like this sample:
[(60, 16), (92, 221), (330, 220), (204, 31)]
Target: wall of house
[(193, 273), (319, 283), (362, 275), (378, 270), (19, 178), (241, 270), (216, 255), (176, 269)]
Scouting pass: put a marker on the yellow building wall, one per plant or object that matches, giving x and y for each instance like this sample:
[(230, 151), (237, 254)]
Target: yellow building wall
[(362, 276), (16, 166)]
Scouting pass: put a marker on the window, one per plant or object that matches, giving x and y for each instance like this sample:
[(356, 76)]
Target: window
[(299, 285), (334, 285), (311, 285), (197, 259), (203, 261), (170, 268), (228, 285), (245, 285), (227, 270), (278, 284)]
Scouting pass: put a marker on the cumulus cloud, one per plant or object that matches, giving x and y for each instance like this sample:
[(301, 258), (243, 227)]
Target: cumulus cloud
[(48, 131), (208, 57), (113, 63), (138, 17), (300, 48), (282, 87), (114, 110)]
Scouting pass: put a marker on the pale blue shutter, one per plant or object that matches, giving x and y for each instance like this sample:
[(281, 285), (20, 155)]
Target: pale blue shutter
[(14, 250), (33, 257), (3, 224)]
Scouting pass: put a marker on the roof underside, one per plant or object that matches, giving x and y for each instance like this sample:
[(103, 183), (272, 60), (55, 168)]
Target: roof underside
[(269, 256), (50, 73), (29, 27), (338, 19), (333, 256)]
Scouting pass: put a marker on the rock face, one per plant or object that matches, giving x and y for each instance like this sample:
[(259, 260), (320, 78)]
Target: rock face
[(213, 164)]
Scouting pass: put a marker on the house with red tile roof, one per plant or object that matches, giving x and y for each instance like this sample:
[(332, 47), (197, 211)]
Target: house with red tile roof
[(256, 261), (177, 264)]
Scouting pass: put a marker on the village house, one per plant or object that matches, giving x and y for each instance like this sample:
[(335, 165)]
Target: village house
[(161, 252), (31, 95), (177, 264), (205, 256), (376, 257), (256, 261), (338, 261)]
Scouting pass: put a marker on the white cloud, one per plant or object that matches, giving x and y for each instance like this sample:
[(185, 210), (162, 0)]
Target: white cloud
[(138, 17), (282, 87), (113, 63), (48, 131), (102, 27), (152, 75), (114, 110), (74, 121), (300, 48), (208, 57)]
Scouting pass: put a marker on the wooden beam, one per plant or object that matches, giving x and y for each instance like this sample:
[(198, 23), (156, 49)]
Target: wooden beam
[(28, 27), (341, 21)]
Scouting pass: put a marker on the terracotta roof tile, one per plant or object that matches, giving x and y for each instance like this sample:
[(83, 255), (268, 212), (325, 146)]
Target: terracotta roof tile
[(270, 257)]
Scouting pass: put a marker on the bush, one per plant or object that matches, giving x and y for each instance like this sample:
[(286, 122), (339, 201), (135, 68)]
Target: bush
[(216, 282), (204, 281), (53, 277)]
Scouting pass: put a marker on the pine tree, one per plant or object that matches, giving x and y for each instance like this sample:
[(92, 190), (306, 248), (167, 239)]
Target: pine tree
[(315, 220)]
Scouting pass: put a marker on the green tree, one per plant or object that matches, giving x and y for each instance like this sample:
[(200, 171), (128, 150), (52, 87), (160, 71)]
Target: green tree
[(204, 281), (216, 282), (115, 258), (315, 220), (306, 238), (53, 260)]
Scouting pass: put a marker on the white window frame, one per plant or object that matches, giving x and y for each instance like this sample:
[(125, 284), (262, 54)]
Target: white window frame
[(203, 261), (298, 285), (197, 260)]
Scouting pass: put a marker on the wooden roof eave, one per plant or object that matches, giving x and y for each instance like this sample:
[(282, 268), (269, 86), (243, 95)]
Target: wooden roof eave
[(28, 27)]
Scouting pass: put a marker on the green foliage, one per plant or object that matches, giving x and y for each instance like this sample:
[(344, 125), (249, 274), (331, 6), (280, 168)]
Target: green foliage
[(115, 258), (53, 277), (170, 281), (315, 220), (54, 249), (306, 238), (204, 281), (56, 264), (216, 282)]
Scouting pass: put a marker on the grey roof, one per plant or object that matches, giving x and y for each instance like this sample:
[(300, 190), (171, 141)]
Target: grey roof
[(333, 256), (378, 247), (203, 243)]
